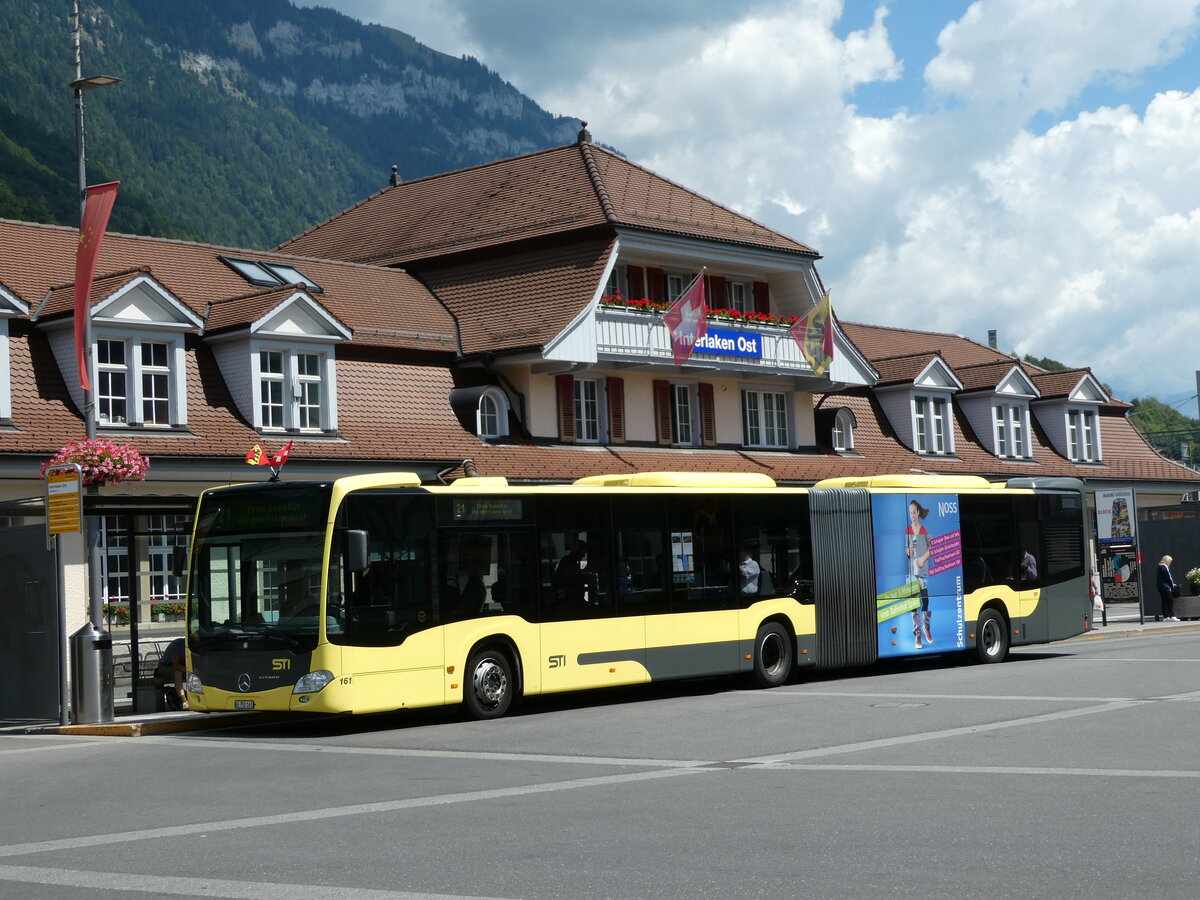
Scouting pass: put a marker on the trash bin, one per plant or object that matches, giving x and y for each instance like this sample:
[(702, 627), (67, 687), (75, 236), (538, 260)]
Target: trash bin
[(91, 676)]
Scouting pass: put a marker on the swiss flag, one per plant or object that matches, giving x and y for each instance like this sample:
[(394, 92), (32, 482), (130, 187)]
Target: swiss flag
[(687, 321), (282, 456)]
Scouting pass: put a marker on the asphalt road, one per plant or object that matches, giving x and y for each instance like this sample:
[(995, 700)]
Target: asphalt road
[(1072, 770)]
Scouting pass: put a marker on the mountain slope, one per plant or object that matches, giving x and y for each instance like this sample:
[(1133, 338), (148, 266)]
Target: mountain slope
[(240, 121)]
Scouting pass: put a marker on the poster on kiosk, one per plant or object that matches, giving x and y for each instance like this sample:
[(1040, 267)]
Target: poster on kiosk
[(918, 573)]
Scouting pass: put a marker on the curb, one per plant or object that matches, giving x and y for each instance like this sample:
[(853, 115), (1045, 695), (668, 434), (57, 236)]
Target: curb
[(174, 725), (1101, 632)]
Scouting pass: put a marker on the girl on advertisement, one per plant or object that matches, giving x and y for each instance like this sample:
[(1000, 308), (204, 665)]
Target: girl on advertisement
[(916, 540)]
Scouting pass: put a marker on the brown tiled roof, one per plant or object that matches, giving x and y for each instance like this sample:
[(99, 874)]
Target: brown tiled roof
[(62, 299), (1058, 384), (1126, 453), (522, 299), (985, 376), (574, 188), (881, 342), (902, 369), (385, 307), (247, 309)]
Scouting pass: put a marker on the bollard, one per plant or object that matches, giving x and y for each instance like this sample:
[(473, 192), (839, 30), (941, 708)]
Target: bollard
[(91, 676)]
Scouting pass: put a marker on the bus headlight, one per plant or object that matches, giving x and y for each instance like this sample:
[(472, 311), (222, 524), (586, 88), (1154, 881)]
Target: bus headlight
[(313, 682), (193, 684)]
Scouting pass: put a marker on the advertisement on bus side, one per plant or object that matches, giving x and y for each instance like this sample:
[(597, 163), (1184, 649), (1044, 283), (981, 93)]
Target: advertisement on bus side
[(918, 574)]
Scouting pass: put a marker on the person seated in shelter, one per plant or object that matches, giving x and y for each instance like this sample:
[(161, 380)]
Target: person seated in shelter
[(170, 672)]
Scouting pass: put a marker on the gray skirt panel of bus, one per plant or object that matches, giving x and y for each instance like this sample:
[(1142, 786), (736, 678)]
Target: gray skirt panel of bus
[(843, 577)]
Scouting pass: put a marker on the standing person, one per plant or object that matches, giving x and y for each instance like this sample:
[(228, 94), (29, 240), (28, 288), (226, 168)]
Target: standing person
[(749, 570), (1166, 590), (916, 546)]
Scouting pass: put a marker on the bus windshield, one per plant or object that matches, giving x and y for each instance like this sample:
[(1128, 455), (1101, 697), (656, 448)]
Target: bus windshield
[(256, 567)]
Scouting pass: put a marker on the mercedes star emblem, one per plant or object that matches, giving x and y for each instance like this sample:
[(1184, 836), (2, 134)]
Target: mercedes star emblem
[(243, 682)]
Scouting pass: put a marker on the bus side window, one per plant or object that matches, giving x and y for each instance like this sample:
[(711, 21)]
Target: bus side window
[(575, 566), (777, 533), (642, 555)]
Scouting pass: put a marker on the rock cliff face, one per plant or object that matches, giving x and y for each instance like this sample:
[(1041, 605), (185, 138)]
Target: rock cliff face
[(243, 121)]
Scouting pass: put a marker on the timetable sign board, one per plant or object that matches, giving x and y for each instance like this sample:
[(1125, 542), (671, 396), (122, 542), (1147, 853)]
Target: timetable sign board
[(64, 499)]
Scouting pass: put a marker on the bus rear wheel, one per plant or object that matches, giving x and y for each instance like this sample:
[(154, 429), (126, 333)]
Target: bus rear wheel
[(773, 655), (488, 692), (991, 637)]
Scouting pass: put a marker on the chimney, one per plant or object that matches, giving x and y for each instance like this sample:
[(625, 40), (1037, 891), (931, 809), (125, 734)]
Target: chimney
[(992, 342), (395, 179), (585, 136)]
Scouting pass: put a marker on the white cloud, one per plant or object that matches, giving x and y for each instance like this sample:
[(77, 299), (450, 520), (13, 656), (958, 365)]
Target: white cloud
[(1079, 243)]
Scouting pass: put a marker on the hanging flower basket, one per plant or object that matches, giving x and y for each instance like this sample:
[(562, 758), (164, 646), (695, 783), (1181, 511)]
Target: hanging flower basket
[(102, 462)]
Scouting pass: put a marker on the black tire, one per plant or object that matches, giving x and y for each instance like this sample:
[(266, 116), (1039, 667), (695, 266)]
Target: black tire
[(991, 637), (488, 687), (774, 655)]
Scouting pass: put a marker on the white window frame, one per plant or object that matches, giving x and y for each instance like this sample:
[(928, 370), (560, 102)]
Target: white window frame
[(107, 372), (295, 387), (685, 414), (843, 431), (757, 430), (134, 368), (933, 434), (5, 370), (1083, 434), (589, 406), (739, 295), (1010, 430), (154, 373), (498, 401), (675, 285)]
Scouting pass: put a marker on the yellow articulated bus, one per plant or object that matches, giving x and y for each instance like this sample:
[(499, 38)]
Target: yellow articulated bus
[(375, 592)]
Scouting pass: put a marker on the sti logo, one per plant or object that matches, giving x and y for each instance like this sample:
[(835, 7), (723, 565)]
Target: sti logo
[(280, 665)]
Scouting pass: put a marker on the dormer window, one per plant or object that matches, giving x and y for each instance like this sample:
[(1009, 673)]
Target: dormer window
[(1011, 430), (931, 425), (1083, 443), (492, 415), (843, 431), (138, 381), (291, 390)]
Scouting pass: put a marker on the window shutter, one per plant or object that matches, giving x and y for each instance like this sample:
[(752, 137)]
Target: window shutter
[(708, 417), (718, 296), (662, 411), (762, 297), (614, 388), (564, 386), (656, 285), (636, 279)]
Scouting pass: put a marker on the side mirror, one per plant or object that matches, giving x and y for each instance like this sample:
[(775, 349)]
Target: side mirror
[(356, 550)]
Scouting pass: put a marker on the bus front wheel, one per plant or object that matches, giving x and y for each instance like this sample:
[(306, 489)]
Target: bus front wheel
[(489, 691), (773, 655), (991, 637)]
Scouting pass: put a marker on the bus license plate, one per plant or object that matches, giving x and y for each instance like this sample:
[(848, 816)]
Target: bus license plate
[(243, 704)]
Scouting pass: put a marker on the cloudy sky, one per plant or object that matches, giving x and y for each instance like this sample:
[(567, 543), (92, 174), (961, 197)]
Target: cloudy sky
[(1031, 166)]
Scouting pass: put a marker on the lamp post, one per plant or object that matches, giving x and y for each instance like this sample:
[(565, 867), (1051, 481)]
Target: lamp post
[(90, 694)]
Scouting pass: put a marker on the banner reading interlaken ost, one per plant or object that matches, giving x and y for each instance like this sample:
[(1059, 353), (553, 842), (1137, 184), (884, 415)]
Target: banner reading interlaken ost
[(687, 323)]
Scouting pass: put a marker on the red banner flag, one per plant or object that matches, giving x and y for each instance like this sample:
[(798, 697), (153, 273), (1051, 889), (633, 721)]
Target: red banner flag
[(282, 456), (687, 320), (100, 199), (256, 457), (814, 334)]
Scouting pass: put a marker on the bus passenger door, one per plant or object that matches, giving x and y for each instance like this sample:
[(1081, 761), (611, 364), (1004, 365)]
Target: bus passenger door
[(593, 601)]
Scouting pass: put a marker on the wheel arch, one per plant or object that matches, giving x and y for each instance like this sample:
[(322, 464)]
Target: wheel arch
[(509, 646)]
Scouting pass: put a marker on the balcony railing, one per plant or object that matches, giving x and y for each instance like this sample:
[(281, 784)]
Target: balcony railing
[(642, 337)]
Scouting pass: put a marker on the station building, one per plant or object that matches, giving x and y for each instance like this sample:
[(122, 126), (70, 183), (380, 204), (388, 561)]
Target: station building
[(504, 319)]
